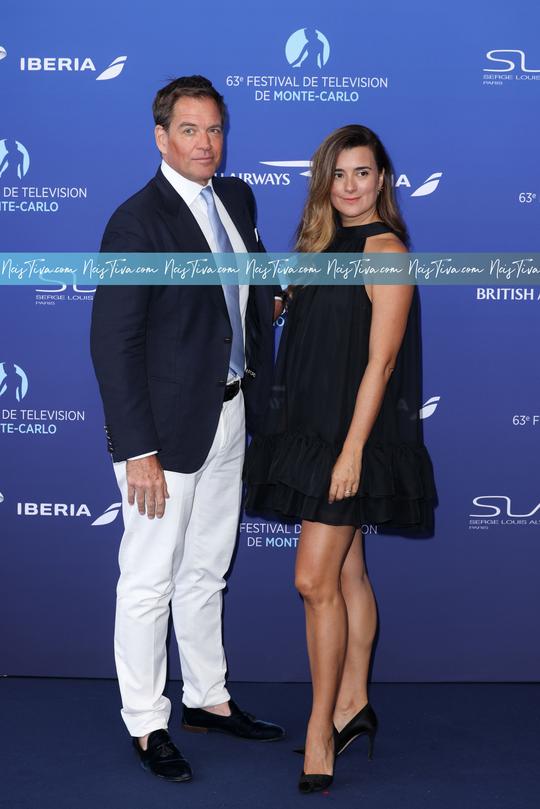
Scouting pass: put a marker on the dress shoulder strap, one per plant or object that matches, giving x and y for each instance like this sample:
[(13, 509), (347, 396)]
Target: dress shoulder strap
[(373, 229)]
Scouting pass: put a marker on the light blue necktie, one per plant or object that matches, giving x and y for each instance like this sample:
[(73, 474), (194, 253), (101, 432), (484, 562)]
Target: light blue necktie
[(231, 291)]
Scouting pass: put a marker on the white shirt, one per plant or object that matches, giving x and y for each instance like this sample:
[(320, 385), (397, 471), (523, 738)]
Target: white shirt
[(190, 192)]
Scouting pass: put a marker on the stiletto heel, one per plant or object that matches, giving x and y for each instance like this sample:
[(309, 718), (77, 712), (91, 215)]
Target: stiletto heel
[(363, 724), (371, 744)]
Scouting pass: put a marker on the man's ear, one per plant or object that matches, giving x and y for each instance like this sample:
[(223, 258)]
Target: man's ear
[(162, 138)]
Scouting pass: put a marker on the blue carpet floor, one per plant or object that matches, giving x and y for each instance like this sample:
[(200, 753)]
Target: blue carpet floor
[(440, 746)]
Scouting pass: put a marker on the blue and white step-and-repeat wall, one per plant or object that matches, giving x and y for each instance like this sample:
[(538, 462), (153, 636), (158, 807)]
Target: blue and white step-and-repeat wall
[(453, 89)]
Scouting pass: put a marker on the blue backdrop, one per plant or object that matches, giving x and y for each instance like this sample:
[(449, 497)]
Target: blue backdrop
[(453, 90)]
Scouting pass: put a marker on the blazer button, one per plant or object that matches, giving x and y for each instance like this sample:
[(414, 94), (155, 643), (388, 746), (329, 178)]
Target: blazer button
[(221, 382), (228, 340)]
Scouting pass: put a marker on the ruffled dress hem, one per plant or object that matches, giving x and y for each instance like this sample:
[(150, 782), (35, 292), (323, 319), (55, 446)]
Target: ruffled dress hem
[(288, 474)]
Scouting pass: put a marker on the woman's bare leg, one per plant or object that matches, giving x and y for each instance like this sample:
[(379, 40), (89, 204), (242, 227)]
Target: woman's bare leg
[(321, 553), (362, 625)]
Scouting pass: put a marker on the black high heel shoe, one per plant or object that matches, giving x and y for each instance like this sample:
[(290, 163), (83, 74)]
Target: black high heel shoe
[(363, 724), (317, 782)]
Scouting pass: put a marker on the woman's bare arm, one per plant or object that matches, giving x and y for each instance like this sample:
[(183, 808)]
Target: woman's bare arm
[(390, 310)]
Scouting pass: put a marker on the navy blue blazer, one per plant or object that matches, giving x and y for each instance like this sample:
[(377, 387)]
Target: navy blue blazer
[(161, 353)]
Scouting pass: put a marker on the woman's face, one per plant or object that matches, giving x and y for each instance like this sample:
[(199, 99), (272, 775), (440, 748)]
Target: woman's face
[(356, 185)]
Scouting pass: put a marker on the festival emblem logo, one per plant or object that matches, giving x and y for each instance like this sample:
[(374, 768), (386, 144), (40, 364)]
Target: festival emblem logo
[(14, 160), (17, 197), (3, 53), (29, 420), (307, 52), (307, 48), (13, 381)]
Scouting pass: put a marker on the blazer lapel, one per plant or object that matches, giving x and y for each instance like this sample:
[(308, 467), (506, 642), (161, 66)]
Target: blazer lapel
[(237, 210), (185, 234)]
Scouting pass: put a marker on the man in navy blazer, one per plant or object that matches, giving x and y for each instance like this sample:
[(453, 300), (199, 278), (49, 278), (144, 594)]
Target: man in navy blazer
[(174, 364)]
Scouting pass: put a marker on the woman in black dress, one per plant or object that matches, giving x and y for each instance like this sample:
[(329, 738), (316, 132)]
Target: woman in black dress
[(343, 444)]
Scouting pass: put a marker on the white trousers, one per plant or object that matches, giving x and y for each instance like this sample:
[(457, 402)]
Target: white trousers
[(178, 563)]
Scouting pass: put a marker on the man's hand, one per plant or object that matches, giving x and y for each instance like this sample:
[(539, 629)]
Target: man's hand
[(146, 484)]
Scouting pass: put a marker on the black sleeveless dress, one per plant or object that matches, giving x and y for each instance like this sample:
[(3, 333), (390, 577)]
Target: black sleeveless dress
[(321, 360)]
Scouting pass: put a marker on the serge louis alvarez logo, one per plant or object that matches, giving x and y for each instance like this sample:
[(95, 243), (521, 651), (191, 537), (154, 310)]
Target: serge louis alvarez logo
[(54, 294), (492, 510), (508, 66)]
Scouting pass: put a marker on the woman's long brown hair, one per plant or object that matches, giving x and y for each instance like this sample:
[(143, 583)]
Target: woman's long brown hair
[(317, 227)]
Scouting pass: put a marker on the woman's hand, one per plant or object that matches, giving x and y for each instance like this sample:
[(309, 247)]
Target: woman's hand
[(345, 478)]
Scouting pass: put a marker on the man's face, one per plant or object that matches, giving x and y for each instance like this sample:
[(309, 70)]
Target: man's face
[(193, 143)]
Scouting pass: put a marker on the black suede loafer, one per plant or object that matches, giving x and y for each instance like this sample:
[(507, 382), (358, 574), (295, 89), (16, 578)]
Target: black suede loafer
[(239, 723), (162, 758)]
